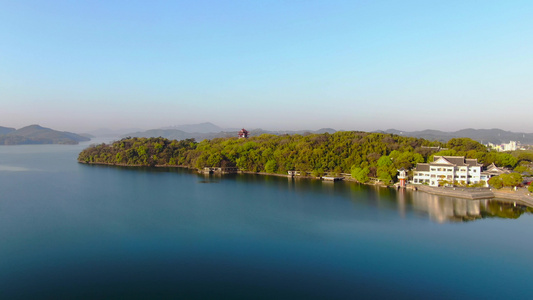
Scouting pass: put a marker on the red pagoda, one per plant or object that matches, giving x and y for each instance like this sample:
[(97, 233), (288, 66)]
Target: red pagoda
[(243, 134)]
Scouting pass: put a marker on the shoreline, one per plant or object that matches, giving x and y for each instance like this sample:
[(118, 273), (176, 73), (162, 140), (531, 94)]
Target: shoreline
[(457, 192)]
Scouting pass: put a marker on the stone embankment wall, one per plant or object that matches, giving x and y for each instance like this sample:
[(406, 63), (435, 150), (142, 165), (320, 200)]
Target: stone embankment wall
[(519, 196), (478, 193), (457, 192)]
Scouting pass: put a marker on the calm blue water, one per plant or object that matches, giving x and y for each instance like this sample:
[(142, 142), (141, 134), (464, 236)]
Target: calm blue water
[(74, 231)]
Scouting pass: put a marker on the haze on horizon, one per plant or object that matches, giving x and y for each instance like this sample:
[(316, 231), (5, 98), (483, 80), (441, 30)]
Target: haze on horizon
[(352, 65)]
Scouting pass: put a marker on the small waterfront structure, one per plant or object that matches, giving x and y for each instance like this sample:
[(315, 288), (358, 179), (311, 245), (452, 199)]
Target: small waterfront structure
[(402, 177), (218, 170), (448, 169), (332, 178), (243, 134)]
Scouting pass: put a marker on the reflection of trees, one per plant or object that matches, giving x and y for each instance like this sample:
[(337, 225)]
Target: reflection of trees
[(447, 209), (504, 210)]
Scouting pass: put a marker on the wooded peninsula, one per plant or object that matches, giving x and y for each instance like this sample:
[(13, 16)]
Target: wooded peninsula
[(364, 155)]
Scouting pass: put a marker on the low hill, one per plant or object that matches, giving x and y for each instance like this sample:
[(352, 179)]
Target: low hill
[(206, 127), (173, 134), (35, 134), (341, 152), (106, 132), (6, 130), (364, 155)]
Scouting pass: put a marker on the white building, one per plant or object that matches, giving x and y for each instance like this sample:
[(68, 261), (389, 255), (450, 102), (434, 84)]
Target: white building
[(511, 146), (448, 168)]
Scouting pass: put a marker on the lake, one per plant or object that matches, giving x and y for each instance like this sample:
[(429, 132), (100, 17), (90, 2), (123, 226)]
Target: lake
[(73, 231)]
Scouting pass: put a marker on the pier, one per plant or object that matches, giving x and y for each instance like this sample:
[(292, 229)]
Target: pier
[(332, 178), (218, 170)]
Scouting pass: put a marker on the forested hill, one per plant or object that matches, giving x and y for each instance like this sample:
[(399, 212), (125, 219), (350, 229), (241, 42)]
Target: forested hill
[(35, 134), (368, 154)]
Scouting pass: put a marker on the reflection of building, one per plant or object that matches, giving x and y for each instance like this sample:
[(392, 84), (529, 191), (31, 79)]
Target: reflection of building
[(448, 169), (444, 209), (243, 134)]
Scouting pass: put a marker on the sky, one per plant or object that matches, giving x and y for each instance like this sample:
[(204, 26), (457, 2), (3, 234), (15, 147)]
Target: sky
[(292, 65)]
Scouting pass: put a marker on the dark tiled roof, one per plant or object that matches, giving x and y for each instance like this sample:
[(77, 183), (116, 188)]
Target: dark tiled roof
[(453, 160), (472, 162), (456, 160), (491, 166), (440, 158), (494, 170), (422, 167)]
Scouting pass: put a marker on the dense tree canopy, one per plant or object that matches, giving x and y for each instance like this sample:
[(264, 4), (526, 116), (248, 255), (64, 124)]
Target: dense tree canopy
[(339, 153), (364, 155), (508, 180)]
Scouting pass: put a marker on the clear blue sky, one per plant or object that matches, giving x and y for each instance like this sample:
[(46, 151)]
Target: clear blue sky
[(354, 65)]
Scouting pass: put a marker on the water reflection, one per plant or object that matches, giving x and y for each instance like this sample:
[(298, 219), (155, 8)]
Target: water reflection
[(366, 200), (440, 209), (446, 209)]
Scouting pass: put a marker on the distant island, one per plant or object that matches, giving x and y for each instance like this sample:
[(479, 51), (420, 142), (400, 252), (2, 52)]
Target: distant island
[(35, 134)]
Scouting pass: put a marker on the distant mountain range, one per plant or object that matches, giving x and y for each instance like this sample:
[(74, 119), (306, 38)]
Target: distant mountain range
[(35, 134), (206, 127), (209, 131), (495, 136), (106, 132)]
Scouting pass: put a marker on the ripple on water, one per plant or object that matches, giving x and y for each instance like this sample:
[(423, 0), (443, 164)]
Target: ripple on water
[(13, 169)]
